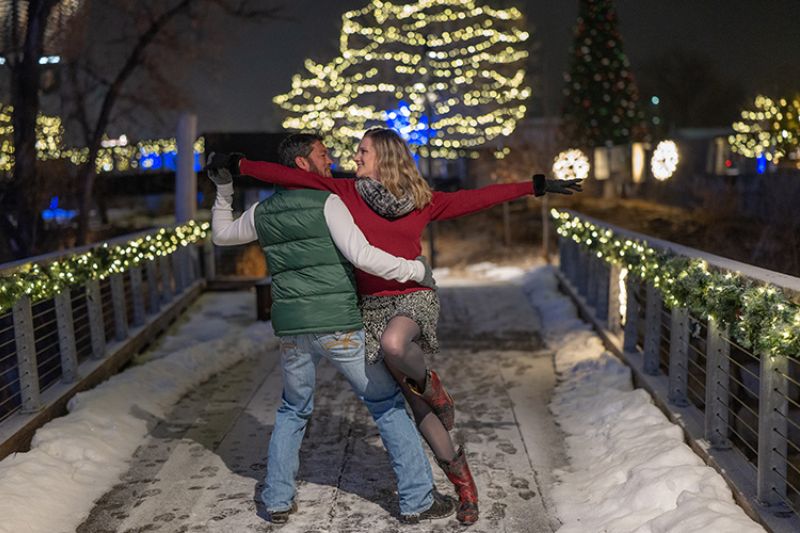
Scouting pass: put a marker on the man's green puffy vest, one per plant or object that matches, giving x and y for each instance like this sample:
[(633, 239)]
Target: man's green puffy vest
[(313, 285)]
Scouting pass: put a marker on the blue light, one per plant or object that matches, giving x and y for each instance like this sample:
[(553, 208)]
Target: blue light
[(57, 214), (761, 164), (655, 100), (398, 119), (169, 160), (150, 161)]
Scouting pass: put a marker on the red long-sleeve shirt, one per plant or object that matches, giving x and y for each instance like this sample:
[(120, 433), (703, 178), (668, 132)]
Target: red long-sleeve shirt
[(402, 236)]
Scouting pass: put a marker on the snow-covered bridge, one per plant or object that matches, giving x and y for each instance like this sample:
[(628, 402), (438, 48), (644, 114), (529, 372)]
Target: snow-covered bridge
[(558, 438)]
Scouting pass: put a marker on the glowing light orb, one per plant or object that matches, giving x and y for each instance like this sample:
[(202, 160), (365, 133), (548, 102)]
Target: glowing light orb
[(665, 160), (571, 164)]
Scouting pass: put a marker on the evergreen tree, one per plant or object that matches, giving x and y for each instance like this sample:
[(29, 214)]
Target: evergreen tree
[(601, 100)]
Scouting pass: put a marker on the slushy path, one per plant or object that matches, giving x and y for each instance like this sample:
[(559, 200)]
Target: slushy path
[(202, 467)]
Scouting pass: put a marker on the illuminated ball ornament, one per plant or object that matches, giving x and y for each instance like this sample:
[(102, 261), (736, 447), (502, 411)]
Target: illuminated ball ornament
[(665, 160), (571, 164), (449, 75)]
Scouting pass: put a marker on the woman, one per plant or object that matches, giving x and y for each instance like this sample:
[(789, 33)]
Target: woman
[(392, 204)]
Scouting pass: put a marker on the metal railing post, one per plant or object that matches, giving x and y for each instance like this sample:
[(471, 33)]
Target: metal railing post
[(631, 331), (118, 301), (66, 336), (679, 357), (166, 283), (773, 408), (582, 272), (178, 270), (153, 297), (717, 370), (652, 330), (209, 260), (94, 307), (26, 355), (591, 284), (601, 298), (137, 296), (612, 309), (562, 255)]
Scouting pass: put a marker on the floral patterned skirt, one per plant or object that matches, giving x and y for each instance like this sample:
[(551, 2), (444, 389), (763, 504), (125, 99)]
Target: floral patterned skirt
[(420, 306)]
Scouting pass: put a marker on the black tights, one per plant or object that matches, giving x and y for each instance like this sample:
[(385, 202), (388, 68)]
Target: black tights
[(404, 358)]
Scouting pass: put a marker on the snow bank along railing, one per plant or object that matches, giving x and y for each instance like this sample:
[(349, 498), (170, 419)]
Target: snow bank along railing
[(717, 343), (70, 319)]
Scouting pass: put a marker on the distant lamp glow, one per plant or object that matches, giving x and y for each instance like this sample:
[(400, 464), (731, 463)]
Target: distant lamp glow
[(602, 170), (665, 160), (655, 100), (571, 164), (637, 162)]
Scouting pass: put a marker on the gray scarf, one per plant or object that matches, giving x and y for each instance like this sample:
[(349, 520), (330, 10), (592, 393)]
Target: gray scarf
[(382, 201)]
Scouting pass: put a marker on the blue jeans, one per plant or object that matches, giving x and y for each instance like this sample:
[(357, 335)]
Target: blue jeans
[(379, 391)]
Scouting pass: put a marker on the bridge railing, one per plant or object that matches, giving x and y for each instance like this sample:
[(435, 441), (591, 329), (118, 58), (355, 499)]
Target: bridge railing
[(715, 341), (70, 319)]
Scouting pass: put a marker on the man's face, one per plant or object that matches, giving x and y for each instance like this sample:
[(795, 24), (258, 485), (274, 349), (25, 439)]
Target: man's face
[(318, 161)]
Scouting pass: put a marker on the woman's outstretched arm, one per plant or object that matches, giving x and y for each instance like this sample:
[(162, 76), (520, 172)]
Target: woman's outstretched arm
[(287, 177), (447, 205)]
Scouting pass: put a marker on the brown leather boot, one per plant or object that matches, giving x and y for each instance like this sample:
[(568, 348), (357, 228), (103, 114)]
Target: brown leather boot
[(434, 394), (459, 475)]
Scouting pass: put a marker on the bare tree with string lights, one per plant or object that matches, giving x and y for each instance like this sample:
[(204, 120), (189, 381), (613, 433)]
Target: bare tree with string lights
[(449, 75)]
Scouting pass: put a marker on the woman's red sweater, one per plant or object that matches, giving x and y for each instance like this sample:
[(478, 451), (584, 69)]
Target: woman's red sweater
[(401, 236)]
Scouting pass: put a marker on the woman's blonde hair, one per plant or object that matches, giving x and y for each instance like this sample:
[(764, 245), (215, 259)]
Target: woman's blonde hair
[(396, 167)]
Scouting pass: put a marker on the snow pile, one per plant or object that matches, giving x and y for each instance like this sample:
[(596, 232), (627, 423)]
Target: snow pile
[(75, 459), (630, 470)]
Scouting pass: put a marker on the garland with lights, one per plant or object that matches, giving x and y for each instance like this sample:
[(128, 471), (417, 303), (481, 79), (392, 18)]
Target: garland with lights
[(772, 129), (759, 317), (115, 155), (43, 281), (448, 74)]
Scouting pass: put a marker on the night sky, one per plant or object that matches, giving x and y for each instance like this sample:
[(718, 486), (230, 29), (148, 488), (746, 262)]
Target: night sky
[(755, 43)]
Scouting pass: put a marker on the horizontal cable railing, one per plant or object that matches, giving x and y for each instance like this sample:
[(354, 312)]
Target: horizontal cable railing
[(721, 338), (59, 310)]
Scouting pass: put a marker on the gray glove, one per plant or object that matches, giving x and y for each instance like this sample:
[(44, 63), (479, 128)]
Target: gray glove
[(428, 280), (220, 176)]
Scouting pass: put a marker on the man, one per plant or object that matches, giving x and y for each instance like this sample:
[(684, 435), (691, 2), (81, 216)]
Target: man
[(310, 241)]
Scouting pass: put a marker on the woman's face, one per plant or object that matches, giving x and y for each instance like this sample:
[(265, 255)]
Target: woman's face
[(366, 160)]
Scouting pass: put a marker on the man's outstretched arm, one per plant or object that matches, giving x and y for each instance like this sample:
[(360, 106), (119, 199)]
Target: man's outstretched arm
[(225, 231)]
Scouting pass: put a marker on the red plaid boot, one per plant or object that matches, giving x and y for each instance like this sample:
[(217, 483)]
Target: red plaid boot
[(434, 394), (458, 473)]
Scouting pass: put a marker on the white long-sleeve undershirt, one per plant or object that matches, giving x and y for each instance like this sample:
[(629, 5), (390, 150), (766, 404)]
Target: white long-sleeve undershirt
[(348, 238)]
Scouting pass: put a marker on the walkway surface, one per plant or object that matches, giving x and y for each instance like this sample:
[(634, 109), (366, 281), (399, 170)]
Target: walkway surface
[(202, 467)]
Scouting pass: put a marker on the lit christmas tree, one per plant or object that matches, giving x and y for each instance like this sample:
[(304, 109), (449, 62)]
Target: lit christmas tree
[(449, 75), (601, 101)]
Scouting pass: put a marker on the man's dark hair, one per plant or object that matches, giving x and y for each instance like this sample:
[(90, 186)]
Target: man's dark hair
[(296, 144)]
